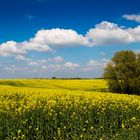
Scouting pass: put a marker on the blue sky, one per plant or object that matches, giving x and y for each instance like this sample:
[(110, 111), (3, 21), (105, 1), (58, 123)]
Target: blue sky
[(65, 38)]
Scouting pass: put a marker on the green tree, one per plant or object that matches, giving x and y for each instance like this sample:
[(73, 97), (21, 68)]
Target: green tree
[(123, 73)]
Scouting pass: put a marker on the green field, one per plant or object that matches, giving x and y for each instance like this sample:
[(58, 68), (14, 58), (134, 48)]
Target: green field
[(66, 110)]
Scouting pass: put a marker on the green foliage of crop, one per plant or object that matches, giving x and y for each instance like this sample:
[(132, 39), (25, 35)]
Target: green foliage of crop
[(66, 110)]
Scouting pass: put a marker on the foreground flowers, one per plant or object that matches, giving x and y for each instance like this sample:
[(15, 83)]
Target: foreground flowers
[(38, 113)]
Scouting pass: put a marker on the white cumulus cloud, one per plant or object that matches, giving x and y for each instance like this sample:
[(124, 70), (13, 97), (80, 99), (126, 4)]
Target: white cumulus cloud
[(133, 17), (35, 46), (22, 58), (135, 32), (60, 38), (32, 63), (56, 59), (44, 41), (71, 65), (10, 48), (107, 33), (92, 63)]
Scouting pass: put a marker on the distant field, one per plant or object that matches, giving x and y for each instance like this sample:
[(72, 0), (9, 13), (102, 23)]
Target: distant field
[(66, 110), (86, 85)]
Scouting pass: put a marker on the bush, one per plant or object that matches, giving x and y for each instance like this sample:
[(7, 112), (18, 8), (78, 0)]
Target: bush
[(123, 73)]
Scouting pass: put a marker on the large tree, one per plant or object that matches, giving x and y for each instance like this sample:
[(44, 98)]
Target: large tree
[(123, 73)]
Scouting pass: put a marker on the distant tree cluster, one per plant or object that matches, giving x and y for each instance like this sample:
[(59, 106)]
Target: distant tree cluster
[(123, 73)]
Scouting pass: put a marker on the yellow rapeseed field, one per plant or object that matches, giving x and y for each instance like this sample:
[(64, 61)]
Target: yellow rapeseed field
[(66, 110)]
